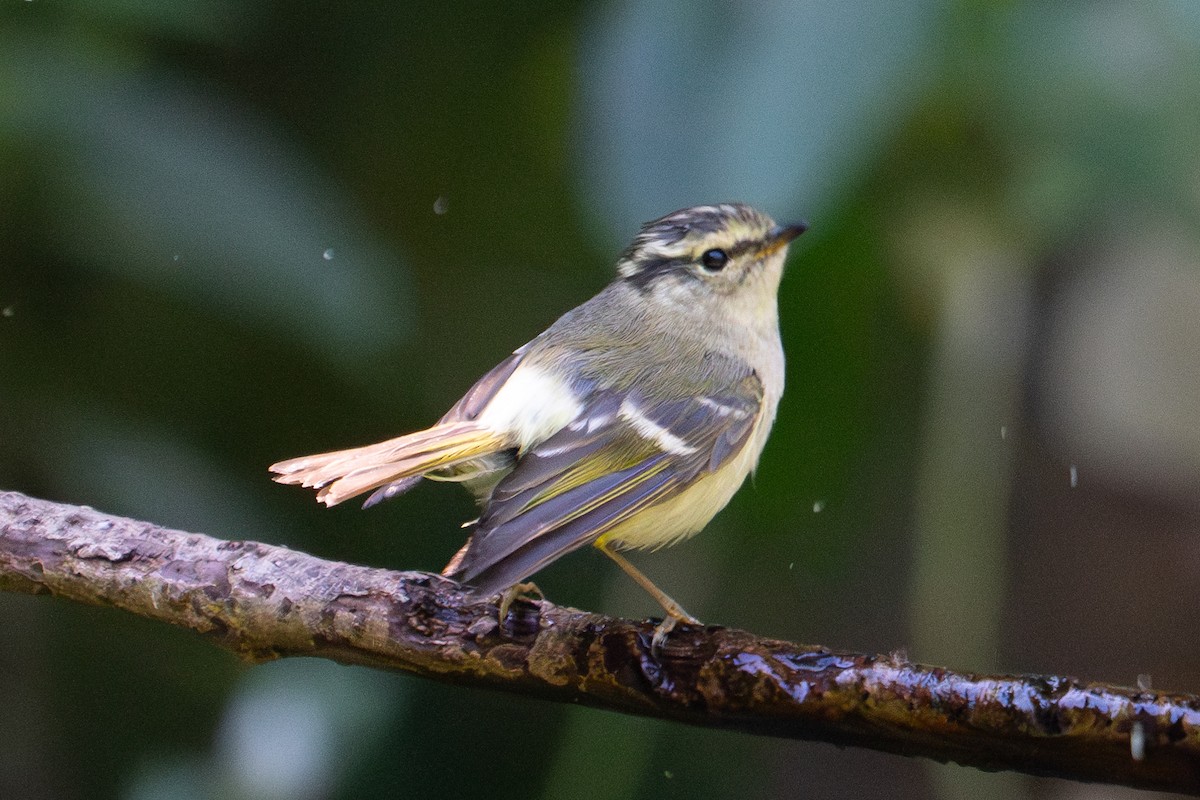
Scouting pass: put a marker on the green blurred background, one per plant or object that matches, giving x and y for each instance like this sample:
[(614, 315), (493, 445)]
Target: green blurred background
[(233, 233)]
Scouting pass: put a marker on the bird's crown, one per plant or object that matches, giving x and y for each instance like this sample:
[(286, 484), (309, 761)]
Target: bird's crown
[(702, 240)]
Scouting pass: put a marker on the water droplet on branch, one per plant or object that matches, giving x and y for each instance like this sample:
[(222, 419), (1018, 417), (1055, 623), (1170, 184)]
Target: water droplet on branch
[(1137, 741)]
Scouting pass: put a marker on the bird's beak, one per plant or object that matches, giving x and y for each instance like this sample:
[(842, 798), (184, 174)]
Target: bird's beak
[(779, 236)]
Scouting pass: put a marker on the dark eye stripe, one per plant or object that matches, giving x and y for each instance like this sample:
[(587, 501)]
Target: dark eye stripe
[(653, 269)]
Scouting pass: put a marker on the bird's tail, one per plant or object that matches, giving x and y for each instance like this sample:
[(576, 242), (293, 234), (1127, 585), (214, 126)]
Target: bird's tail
[(343, 474)]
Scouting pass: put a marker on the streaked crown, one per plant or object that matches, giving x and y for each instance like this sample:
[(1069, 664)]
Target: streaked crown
[(704, 242)]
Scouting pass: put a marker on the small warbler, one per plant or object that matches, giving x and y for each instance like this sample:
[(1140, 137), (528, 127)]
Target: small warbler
[(629, 423)]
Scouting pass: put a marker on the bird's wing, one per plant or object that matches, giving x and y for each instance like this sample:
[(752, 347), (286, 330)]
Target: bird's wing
[(623, 454), (478, 396)]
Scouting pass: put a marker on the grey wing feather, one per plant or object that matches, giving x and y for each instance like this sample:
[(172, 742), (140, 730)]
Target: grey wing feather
[(537, 513), (487, 578), (479, 395)]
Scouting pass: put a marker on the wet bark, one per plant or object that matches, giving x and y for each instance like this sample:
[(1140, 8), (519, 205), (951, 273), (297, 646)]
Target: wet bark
[(264, 602)]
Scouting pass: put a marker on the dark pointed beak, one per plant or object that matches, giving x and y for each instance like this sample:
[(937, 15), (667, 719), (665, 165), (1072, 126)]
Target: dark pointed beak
[(785, 233), (779, 236)]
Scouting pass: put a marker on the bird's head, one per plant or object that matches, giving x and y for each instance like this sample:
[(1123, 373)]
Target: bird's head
[(705, 254)]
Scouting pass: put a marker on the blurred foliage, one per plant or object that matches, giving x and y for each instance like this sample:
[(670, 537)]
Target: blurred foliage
[(239, 232)]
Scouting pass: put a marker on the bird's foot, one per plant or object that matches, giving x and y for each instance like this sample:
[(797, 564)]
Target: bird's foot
[(520, 591), (664, 628)]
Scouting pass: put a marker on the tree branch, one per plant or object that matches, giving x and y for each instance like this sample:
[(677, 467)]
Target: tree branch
[(265, 602)]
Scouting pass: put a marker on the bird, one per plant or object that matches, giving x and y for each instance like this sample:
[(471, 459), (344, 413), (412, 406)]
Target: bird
[(627, 424)]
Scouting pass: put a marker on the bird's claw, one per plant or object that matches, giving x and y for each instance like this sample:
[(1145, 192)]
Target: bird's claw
[(517, 592), (664, 628)]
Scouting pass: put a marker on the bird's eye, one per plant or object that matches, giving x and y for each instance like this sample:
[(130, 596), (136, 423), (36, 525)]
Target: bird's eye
[(714, 260)]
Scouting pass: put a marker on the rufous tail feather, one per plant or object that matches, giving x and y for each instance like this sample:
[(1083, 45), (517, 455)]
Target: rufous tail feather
[(343, 474)]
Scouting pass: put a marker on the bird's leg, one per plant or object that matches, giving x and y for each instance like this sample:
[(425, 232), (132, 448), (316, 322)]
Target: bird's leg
[(675, 612), (510, 595)]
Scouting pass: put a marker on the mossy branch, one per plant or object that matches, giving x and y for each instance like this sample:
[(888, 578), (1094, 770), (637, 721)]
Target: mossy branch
[(264, 602)]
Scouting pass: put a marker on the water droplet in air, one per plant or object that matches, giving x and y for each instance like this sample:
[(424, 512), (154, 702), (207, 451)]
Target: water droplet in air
[(1074, 476), (328, 254), (175, 258), (441, 205), (8, 311), (818, 506), (668, 774), (1003, 431), (1143, 682), (791, 565)]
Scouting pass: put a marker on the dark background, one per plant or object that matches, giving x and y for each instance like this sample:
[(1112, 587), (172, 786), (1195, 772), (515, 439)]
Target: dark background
[(232, 233)]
